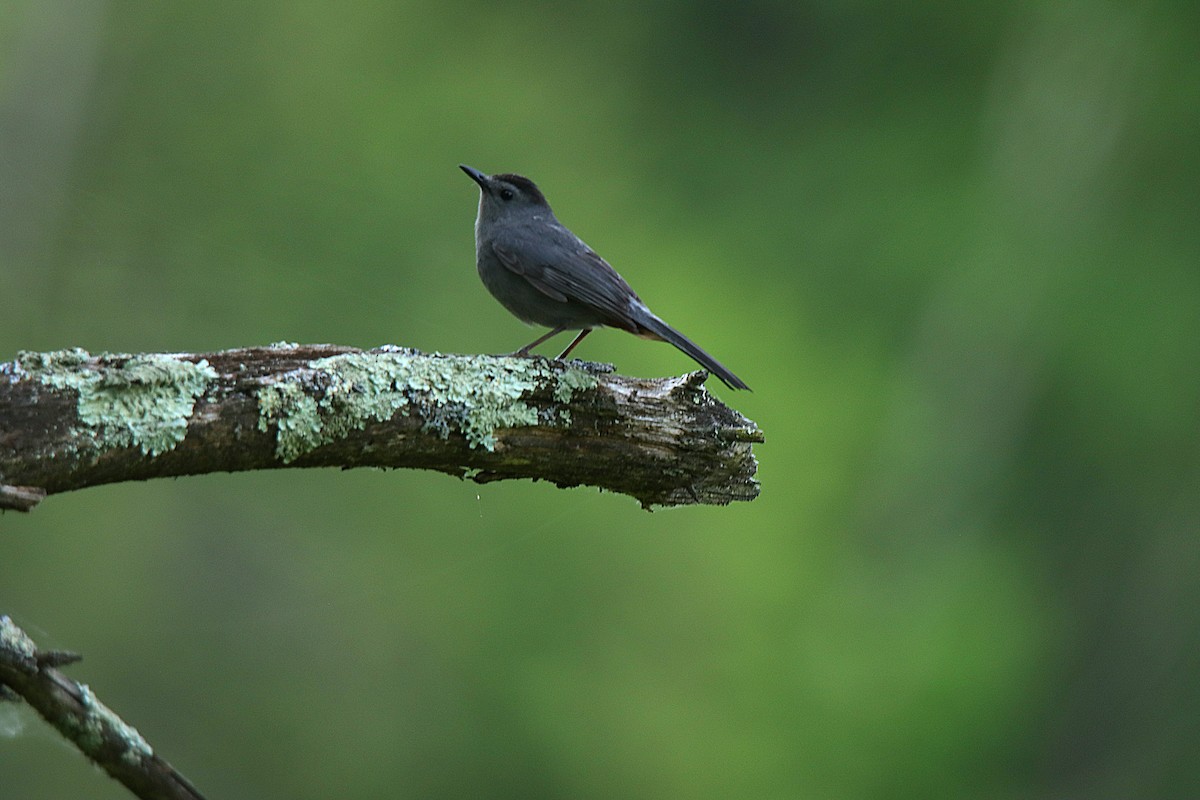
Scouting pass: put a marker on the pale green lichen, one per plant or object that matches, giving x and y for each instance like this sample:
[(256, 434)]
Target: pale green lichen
[(143, 402), (297, 418), (99, 718), (573, 380), (475, 395), (15, 640)]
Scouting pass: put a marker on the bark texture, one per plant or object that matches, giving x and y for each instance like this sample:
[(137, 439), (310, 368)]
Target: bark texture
[(70, 419)]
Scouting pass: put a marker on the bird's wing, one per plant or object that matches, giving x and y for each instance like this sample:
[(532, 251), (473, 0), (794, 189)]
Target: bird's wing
[(571, 274), (509, 258), (588, 278)]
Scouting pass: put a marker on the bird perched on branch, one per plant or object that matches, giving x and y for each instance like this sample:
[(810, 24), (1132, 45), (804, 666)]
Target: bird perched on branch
[(546, 275)]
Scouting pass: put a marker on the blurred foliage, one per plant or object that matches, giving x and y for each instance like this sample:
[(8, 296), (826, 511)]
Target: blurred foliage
[(953, 247)]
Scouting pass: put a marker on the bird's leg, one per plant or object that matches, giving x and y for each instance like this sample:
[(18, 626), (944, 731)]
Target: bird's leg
[(571, 347), (524, 351)]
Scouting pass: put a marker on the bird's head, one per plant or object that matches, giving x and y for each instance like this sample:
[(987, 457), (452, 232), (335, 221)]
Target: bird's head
[(506, 194)]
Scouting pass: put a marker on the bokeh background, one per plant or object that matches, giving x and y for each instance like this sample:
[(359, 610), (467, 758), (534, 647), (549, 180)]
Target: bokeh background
[(954, 247)]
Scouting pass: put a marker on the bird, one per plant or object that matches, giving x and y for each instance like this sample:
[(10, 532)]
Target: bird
[(545, 275)]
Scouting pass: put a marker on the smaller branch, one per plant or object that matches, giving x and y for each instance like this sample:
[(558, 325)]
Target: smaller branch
[(79, 715), (20, 498)]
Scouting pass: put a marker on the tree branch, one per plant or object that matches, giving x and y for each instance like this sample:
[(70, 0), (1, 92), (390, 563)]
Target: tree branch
[(69, 419), (79, 715)]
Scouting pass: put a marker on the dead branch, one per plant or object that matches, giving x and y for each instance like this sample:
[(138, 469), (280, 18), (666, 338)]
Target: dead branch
[(74, 709), (70, 419)]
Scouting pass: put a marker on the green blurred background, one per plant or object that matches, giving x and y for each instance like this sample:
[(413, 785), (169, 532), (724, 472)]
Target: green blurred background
[(954, 248)]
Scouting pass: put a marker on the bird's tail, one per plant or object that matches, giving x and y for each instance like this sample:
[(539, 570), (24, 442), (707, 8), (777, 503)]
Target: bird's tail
[(657, 329)]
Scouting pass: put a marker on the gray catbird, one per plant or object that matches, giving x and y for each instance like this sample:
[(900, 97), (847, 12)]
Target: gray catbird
[(546, 275)]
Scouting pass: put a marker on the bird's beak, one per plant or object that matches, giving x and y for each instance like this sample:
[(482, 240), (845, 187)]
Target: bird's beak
[(475, 175)]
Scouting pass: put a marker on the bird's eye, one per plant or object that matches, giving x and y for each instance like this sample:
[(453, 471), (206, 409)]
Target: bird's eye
[(506, 194)]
